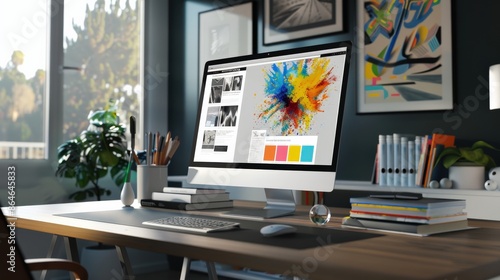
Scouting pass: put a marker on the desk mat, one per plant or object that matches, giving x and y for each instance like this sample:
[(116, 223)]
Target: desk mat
[(249, 231)]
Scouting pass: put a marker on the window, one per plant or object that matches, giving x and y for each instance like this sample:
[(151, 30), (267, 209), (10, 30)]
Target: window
[(101, 47), (23, 49)]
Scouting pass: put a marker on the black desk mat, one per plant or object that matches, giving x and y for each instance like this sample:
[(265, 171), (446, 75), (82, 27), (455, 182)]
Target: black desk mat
[(249, 231)]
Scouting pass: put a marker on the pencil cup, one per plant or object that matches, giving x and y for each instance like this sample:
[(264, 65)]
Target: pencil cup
[(150, 178)]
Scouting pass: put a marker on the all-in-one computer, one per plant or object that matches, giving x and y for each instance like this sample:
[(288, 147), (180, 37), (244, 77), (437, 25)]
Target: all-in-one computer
[(272, 121)]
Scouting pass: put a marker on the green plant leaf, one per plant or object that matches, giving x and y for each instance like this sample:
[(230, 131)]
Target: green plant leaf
[(451, 159), (96, 151), (482, 144), (473, 155)]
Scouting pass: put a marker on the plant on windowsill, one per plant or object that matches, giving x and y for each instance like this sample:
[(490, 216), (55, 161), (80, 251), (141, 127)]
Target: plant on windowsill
[(467, 165), (97, 151)]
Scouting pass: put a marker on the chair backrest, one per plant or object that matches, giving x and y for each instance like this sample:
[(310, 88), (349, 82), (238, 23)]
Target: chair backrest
[(12, 262)]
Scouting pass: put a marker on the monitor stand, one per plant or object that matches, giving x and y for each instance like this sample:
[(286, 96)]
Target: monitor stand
[(279, 203)]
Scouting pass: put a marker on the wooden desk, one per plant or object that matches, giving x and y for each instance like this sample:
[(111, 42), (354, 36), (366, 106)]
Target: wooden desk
[(471, 254)]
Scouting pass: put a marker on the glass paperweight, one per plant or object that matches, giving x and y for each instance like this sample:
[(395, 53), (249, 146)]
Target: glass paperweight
[(319, 214)]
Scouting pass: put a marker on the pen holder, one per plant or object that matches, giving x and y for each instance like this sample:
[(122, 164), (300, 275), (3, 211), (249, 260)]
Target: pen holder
[(150, 178)]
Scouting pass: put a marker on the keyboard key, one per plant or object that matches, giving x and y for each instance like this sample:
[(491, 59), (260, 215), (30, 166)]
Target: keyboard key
[(193, 224)]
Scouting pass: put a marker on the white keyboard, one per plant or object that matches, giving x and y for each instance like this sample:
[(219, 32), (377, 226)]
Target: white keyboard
[(193, 224)]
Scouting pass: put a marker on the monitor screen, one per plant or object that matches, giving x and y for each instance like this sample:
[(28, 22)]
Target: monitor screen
[(272, 120)]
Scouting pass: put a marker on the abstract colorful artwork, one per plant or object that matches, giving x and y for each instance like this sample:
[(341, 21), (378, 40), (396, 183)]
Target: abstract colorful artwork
[(294, 94), (405, 60)]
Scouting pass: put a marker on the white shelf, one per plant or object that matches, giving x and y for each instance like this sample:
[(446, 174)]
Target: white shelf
[(480, 204)]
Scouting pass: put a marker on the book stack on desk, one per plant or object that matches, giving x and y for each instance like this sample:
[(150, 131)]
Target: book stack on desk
[(420, 216), (189, 199)]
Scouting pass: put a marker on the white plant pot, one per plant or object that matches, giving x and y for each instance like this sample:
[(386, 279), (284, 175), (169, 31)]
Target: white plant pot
[(466, 177)]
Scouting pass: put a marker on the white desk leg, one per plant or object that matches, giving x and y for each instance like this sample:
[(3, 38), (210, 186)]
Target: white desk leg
[(186, 264), (128, 274)]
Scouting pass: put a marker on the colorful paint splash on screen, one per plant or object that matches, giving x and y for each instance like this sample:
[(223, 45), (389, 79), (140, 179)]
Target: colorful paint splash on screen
[(294, 94)]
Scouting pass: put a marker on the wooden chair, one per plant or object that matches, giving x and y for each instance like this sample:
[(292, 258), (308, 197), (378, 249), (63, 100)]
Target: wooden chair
[(14, 266)]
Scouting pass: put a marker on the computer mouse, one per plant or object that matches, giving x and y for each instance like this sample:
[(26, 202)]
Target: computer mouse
[(277, 229)]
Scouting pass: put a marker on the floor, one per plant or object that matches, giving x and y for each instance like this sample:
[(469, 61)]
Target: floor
[(164, 275)]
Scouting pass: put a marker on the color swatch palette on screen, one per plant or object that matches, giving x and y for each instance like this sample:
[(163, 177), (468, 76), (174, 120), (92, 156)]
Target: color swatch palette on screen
[(289, 153)]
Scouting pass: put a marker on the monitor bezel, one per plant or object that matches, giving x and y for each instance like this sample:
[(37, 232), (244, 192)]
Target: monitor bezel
[(276, 166)]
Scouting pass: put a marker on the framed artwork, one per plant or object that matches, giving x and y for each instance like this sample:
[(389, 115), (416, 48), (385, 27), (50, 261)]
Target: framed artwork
[(226, 32), (292, 20), (404, 55)]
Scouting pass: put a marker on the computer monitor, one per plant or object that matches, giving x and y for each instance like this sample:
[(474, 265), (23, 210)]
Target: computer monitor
[(272, 121)]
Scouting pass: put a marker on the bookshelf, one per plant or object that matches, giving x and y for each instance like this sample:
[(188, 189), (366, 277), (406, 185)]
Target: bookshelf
[(481, 204)]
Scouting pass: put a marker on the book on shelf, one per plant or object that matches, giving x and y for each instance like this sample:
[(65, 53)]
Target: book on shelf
[(443, 139), (186, 206), (192, 190), (438, 170), (404, 227), (422, 160), (190, 198)]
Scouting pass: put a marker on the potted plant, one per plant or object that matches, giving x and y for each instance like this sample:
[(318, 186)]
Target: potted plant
[(98, 151), (467, 165)]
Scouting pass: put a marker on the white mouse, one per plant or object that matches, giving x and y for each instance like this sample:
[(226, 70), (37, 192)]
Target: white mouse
[(277, 229)]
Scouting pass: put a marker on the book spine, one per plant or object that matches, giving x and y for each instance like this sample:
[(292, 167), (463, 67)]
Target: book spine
[(397, 160), (410, 182), (390, 160), (404, 162), (180, 190), (382, 161), (418, 152), (163, 204)]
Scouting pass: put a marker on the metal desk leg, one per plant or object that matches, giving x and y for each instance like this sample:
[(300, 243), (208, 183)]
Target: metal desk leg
[(128, 274), (186, 264), (71, 249), (50, 253), (212, 272)]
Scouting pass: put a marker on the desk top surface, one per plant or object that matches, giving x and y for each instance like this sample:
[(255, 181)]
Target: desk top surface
[(470, 254)]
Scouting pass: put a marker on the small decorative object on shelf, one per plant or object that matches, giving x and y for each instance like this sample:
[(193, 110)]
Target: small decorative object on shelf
[(467, 165), (494, 179)]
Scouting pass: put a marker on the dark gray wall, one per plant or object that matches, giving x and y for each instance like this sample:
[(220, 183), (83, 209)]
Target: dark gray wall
[(476, 46)]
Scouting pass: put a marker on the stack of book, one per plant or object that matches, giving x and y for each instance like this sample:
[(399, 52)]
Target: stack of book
[(189, 199), (406, 214), (409, 160)]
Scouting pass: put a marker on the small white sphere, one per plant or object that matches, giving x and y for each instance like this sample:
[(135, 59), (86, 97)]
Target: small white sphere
[(446, 183), (434, 184), (491, 185)]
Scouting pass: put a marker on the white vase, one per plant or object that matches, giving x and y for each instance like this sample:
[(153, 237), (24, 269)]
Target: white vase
[(467, 177), (127, 195)]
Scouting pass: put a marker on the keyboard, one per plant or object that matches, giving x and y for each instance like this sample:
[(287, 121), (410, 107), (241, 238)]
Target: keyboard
[(194, 224)]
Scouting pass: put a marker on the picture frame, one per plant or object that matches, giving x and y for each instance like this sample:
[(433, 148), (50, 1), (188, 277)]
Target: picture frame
[(226, 32), (404, 62), (282, 22)]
